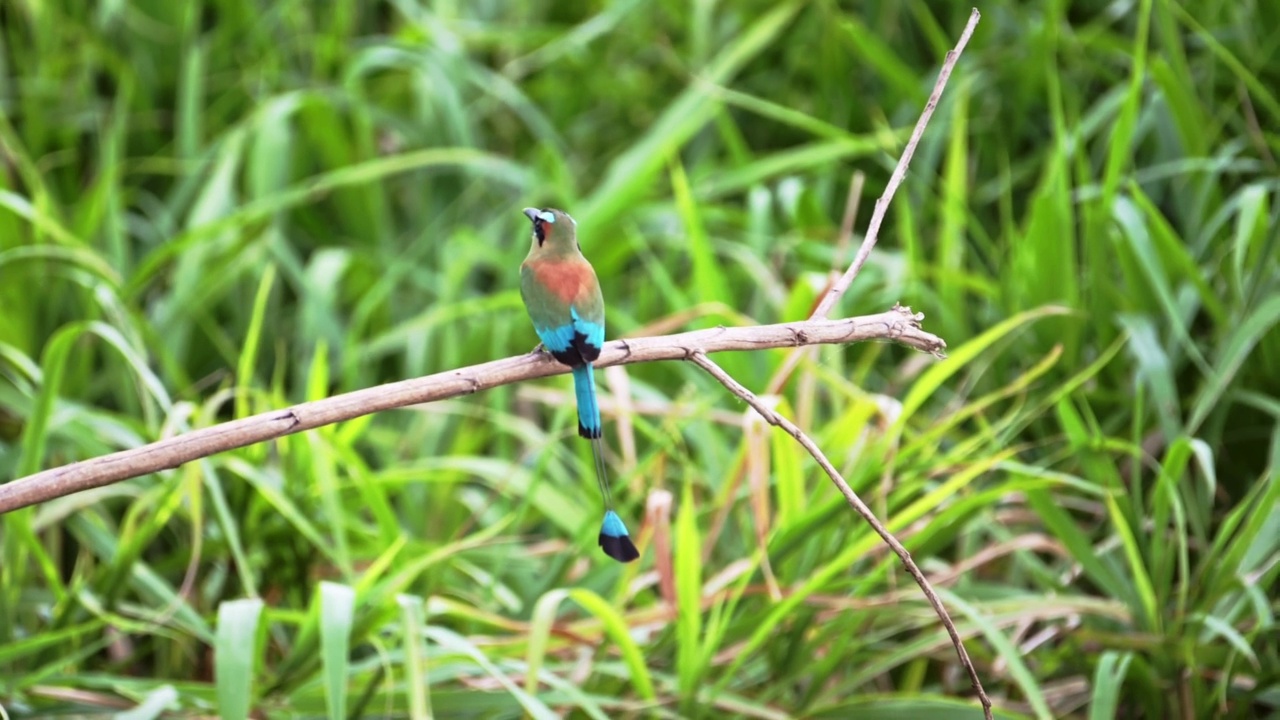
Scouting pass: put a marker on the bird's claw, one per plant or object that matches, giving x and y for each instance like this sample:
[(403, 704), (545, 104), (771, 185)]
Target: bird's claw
[(540, 349)]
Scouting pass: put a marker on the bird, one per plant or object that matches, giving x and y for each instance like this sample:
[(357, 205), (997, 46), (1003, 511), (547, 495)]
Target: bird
[(562, 294)]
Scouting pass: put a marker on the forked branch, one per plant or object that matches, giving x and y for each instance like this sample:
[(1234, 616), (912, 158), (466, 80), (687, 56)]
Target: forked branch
[(897, 325), (829, 300), (773, 418)]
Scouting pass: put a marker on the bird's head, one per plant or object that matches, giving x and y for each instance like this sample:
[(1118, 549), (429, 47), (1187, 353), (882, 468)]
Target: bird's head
[(553, 229)]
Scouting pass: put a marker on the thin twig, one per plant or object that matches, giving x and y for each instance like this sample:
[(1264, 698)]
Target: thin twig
[(897, 325), (899, 174), (768, 413), (843, 240)]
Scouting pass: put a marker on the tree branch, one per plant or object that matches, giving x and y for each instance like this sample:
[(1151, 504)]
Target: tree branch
[(856, 503), (897, 325), (829, 300), (899, 174)]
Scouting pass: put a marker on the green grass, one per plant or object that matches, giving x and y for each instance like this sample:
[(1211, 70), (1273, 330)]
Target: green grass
[(212, 209)]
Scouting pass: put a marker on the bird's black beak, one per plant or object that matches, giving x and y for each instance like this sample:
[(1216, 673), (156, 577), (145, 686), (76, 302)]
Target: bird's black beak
[(531, 213)]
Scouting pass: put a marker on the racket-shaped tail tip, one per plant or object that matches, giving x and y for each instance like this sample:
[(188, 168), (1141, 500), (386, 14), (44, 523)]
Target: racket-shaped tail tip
[(615, 540)]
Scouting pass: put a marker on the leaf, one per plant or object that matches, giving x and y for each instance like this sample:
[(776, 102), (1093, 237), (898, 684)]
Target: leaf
[(1231, 355), (236, 655), (1146, 595), (688, 573), (629, 176), (1022, 675), (708, 275), (337, 615), (156, 704), (938, 373), (416, 675), (1108, 682), (452, 641), (619, 632)]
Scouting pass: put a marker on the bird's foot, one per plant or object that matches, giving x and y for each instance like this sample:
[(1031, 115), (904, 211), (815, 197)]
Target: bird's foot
[(539, 350)]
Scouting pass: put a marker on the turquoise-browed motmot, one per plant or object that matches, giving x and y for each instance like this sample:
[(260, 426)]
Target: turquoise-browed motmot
[(562, 295)]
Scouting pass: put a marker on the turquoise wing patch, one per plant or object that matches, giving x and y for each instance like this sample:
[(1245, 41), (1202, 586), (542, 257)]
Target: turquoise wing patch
[(593, 332), (556, 339)]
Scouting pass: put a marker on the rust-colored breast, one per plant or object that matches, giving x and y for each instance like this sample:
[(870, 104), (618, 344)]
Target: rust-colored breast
[(568, 281)]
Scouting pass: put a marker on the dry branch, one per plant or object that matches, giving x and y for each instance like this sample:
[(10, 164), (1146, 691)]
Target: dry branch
[(897, 325), (829, 300), (899, 173), (856, 503)]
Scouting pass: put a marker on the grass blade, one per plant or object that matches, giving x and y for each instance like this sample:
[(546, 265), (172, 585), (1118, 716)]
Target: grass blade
[(236, 655), (337, 615), (688, 575), (1108, 682), (416, 676)]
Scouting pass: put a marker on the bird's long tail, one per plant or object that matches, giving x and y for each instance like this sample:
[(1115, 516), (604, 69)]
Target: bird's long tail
[(614, 538)]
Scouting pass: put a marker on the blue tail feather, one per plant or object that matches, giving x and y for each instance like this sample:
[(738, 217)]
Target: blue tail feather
[(615, 540), (584, 387)]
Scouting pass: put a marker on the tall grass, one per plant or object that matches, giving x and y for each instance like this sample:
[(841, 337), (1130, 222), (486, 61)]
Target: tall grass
[(209, 209)]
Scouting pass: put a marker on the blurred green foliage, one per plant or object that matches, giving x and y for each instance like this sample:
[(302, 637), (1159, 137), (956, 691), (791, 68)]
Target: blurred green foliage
[(215, 208)]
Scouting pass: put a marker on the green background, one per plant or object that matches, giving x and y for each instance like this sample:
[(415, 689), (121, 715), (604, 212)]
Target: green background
[(214, 208)]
